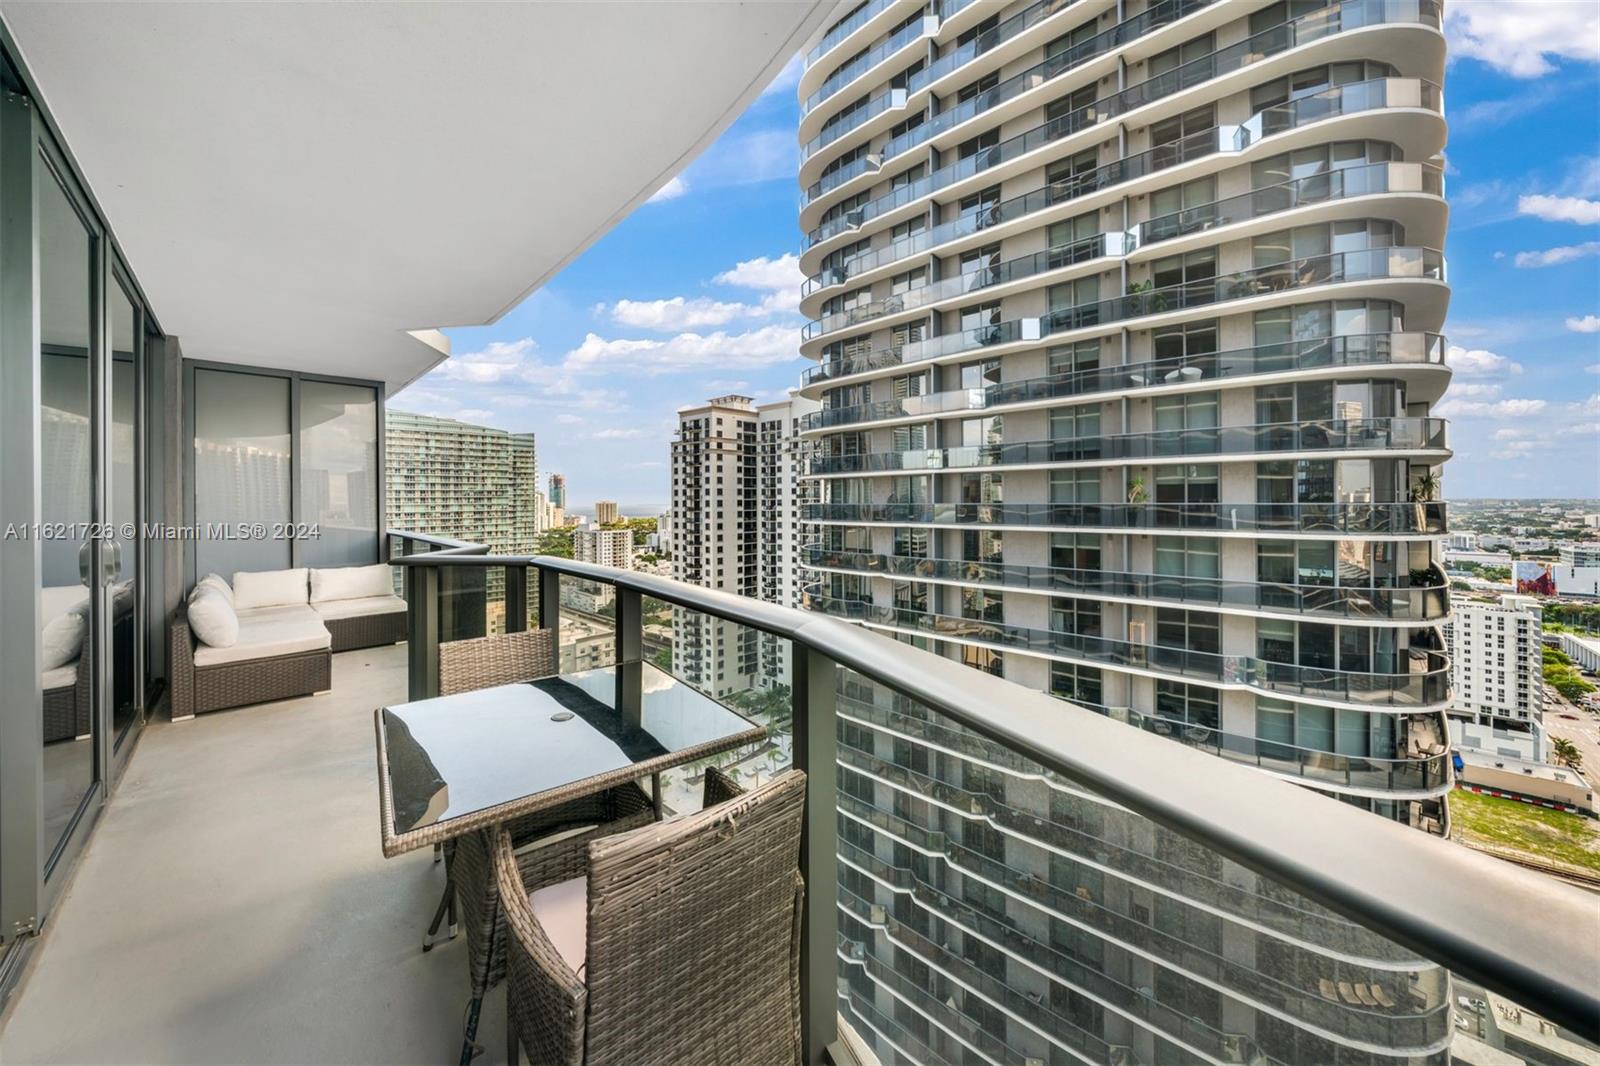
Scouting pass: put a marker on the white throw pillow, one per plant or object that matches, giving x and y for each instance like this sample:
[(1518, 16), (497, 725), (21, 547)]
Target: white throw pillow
[(268, 588), (212, 618), (217, 582), (63, 637), (352, 582)]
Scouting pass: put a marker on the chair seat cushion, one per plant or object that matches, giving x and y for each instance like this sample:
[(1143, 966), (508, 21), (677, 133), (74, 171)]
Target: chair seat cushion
[(361, 607), (267, 632), (562, 910)]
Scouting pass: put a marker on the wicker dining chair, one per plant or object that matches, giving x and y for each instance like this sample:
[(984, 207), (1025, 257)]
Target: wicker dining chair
[(675, 942), (482, 662)]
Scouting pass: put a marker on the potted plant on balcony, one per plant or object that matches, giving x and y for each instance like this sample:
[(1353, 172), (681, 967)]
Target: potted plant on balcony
[(1425, 489), (1137, 493)]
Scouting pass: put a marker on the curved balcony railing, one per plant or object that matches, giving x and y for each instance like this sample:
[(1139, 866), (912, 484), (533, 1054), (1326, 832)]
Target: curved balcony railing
[(870, 58), (1099, 785), (1310, 27), (1140, 861), (1343, 184), (972, 281), (1424, 683), (1401, 519), (1360, 350), (1344, 99), (1399, 1027), (1425, 774), (1367, 434), (1408, 603), (845, 27), (1368, 264)]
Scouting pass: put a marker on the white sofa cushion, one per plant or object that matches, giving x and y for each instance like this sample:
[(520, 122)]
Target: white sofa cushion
[(215, 581), (60, 677), (212, 618), (269, 588), (57, 600), (361, 608), (351, 583), (62, 639), (266, 632)]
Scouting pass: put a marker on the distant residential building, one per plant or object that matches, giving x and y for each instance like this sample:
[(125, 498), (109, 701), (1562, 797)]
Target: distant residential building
[(456, 479), (541, 512), (1591, 521), (605, 512), (558, 490), (605, 547), (1586, 554), (1461, 542), (663, 543), (1583, 651), (733, 527), (1497, 683)]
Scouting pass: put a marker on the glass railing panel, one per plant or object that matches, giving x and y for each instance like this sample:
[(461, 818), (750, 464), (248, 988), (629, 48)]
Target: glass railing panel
[(840, 30), (991, 910), (877, 54)]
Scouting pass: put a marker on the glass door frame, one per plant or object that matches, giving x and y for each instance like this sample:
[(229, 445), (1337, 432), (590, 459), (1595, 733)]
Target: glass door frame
[(32, 868)]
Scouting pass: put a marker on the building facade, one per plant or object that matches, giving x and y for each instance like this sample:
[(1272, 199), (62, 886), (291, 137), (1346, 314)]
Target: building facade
[(1496, 676), (455, 479), (605, 512), (735, 526), (1125, 321), (558, 490), (607, 547)]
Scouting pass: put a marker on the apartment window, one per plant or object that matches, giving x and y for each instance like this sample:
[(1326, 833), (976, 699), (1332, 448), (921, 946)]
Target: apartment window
[(971, 147), (1073, 358), (980, 316), (980, 375), (1190, 630), (1077, 617), (1075, 423), (1069, 105), (1182, 208), (1073, 230), (981, 546), (983, 84), (1192, 268), (1075, 551), (1183, 60), (980, 432), (1188, 485), (1193, 705), (1080, 684), (982, 488), (1187, 557), (980, 203), (978, 30), (1192, 343), (1070, 46), (242, 446), (339, 473), (1187, 411), (1170, 137), (984, 260), (983, 659), (911, 541), (982, 605)]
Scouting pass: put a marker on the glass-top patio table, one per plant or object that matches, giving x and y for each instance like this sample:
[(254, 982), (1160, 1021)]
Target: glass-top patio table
[(466, 762), (460, 763)]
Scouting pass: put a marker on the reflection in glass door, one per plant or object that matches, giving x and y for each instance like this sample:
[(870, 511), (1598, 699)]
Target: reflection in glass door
[(126, 682), (67, 442)]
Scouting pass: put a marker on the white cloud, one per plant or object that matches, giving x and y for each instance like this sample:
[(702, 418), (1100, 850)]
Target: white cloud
[(767, 346), (1468, 391), (1512, 408), (1586, 324), (746, 159), (670, 191), (1560, 208), (1507, 434), (764, 273), (723, 385), (500, 361), (568, 420), (1559, 255), (678, 313), (1479, 362), (474, 414), (1591, 406), (1521, 37), (1592, 368), (617, 434)]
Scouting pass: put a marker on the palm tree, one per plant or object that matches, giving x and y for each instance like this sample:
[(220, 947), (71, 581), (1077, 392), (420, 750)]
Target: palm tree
[(1136, 491), (1565, 753), (1425, 487)]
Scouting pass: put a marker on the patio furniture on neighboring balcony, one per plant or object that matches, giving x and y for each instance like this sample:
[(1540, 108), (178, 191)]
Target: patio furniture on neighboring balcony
[(286, 625), (677, 942)]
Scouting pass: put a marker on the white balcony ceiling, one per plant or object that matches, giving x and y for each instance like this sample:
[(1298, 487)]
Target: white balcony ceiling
[(300, 185)]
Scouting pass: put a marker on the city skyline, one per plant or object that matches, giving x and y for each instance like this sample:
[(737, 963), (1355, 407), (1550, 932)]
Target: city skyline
[(693, 295)]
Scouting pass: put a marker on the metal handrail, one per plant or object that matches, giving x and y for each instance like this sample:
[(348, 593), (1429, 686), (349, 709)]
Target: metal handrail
[(1441, 900)]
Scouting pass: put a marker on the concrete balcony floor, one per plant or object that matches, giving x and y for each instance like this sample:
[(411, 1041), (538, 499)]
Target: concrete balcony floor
[(234, 906)]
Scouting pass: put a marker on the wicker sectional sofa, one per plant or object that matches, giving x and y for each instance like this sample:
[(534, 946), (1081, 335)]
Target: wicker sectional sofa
[(289, 624)]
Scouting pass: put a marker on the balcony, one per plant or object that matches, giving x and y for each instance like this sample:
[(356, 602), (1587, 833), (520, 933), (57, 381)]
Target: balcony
[(1326, 22), (1424, 682), (1392, 350), (1377, 603), (245, 837), (1281, 440), (1216, 519), (1354, 98), (1365, 265)]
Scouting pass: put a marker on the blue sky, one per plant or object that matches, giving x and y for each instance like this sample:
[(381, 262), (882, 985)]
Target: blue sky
[(694, 294)]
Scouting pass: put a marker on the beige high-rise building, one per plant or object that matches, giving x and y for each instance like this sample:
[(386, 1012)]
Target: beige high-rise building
[(735, 527), (607, 547), (605, 512), (1125, 326)]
